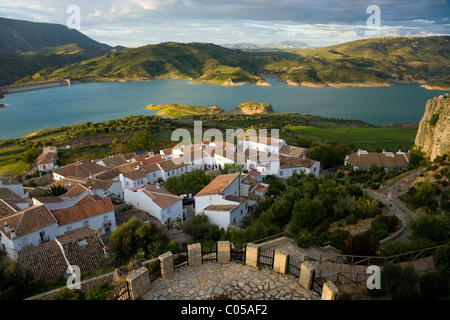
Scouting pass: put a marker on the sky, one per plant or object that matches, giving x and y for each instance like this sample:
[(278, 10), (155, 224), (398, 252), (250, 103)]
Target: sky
[(134, 23)]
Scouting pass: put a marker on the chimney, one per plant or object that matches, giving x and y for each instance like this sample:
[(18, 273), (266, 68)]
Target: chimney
[(6, 227), (90, 190), (13, 233), (158, 186)]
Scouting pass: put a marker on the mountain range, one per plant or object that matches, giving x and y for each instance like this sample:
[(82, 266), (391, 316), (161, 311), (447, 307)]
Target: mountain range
[(276, 45), (61, 53)]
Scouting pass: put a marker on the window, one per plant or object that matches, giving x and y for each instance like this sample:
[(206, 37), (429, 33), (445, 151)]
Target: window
[(86, 223), (154, 174), (69, 228), (281, 172), (169, 210)]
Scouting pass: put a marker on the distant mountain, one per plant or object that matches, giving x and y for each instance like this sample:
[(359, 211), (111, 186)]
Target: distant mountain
[(276, 45), (17, 36), (28, 47)]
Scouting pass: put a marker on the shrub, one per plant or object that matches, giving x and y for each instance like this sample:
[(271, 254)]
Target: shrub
[(100, 291)]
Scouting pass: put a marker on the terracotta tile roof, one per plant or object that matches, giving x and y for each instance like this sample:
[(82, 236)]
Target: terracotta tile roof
[(99, 184), (170, 165), (49, 199), (45, 158), (152, 167), (114, 161), (250, 180), (46, 260), (82, 211), (7, 194), (130, 166), (162, 198), (365, 160), (292, 162), (50, 148), (6, 209), (153, 159), (28, 220), (218, 185), (76, 191), (107, 174), (292, 150), (260, 189), (135, 174), (68, 183), (81, 169), (167, 151), (254, 173)]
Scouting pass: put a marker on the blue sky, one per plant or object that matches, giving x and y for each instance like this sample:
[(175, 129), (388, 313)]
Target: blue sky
[(134, 23)]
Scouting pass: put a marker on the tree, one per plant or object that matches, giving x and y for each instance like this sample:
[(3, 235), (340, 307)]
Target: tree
[(201, 229), (15, 282), (360, 244), (231, 168), (188, 182), (30, 155), (141, 140), (307, 213), (135, 237), (431, 229)]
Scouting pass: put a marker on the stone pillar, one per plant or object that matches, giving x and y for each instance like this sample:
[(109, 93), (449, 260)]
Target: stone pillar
[(139, 282), (281, 261), (223, 251), (307, 272), (195, 255), (329, 291), (251, 255), (167, 266)]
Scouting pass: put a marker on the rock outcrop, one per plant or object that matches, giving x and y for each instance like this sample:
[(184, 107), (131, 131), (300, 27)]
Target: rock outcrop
[(433, 136), (252, 107)]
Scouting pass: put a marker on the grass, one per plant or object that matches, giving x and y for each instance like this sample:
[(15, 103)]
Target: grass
[(10, 161), (365, 138)]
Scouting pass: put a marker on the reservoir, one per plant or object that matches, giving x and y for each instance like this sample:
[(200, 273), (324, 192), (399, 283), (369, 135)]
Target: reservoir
[(53, 107)]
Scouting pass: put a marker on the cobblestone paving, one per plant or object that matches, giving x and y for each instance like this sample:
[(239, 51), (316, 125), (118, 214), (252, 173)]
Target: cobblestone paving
[(237, 281)]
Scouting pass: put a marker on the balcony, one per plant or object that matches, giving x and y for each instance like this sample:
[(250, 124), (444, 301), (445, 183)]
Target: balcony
[(106, 224)]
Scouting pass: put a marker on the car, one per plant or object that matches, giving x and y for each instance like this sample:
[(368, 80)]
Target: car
[(188, 201)]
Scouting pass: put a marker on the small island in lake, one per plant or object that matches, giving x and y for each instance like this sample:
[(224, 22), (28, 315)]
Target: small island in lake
[(179, 110)]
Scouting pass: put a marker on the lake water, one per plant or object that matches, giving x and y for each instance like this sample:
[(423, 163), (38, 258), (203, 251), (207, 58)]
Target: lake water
[(53, 107)]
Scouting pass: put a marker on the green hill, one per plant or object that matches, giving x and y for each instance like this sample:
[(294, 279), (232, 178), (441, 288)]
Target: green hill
[(369, 62), (213, 63)]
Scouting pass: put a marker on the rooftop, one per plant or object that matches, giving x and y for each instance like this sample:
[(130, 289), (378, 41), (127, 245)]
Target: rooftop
[(218, 184), (162, 198), (80, 169)]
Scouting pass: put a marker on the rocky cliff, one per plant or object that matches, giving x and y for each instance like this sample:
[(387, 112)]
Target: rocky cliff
[(433, 136)]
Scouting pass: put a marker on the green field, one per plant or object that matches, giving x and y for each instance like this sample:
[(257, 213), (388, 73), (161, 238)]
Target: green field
[(365, 138)]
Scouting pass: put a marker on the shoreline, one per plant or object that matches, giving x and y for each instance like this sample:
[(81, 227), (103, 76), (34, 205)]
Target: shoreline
[(342, 85)]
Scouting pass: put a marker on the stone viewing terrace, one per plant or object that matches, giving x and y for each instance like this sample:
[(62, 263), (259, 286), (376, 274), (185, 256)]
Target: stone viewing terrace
[(235, 281), (246, 272)]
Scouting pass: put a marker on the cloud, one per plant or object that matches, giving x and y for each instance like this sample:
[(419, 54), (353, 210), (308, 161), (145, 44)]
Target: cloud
[(313, 21)]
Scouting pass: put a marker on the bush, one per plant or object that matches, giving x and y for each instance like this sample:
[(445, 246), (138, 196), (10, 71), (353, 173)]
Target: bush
[(100, 291), (400, 283), (441, 260)]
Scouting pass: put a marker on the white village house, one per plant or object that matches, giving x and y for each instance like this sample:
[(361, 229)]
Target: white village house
[(43, 222), (159, 203), (229, 198)]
